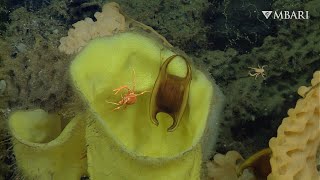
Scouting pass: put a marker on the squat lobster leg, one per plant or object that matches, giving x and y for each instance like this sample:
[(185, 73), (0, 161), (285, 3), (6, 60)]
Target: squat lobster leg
[(120, 88), (142, 93), (117, 108), (125, 86)]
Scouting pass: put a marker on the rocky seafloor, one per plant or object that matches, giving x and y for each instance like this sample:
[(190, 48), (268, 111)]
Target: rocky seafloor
[(223, 37)]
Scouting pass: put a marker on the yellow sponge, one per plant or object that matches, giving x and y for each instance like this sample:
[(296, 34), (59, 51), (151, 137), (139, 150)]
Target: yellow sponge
[(43, 150), (124, 143)]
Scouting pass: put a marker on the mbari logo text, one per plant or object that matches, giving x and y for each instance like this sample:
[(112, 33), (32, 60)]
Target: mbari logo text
[(286, 14)]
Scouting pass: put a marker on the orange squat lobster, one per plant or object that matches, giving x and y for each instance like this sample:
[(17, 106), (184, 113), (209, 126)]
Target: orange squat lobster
[(129, 98)]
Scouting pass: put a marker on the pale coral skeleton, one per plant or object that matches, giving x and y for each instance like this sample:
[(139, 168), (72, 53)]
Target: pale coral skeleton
[(258, 71), (129, 98)]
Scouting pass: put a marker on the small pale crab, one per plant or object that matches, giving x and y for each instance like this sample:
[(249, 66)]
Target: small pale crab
[(257, 71), (129, 98)]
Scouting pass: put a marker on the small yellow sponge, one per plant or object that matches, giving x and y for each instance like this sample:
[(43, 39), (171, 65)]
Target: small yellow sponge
[(43, 150), (35, 126)]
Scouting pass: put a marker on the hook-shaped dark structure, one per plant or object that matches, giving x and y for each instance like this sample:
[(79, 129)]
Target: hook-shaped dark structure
[(170, 94)]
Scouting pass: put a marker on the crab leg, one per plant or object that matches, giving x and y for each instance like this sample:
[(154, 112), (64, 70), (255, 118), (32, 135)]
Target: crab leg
[(120, 88)]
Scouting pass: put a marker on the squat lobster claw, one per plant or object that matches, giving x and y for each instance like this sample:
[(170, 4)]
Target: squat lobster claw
[(129, 98)]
